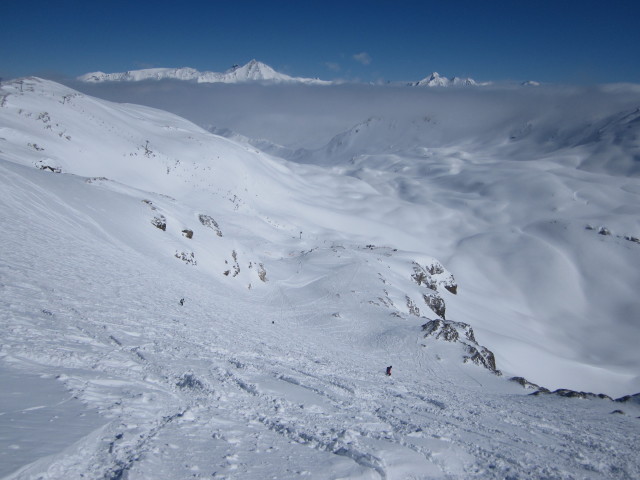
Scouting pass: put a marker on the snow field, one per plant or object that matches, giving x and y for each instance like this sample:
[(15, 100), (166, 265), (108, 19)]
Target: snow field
[(286, 379), (214, 387)]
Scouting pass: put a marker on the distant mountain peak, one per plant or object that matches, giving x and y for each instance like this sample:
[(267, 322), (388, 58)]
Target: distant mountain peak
[(437, 80), (253, 71)]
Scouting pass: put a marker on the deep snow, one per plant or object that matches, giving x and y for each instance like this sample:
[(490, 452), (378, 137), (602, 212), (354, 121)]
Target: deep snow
[(276, 368)]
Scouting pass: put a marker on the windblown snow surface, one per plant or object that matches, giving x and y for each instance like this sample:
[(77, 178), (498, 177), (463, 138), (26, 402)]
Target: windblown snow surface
[(176, 304)]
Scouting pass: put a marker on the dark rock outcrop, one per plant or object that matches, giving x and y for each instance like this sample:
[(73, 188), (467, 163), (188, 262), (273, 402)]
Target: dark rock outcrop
[(413, 308), (482, 356), (629, 399), (527, 384), (160, 222), (458, 332), (208, 221), (452, 288), (432, 277), (565, 392), (187, 257), (435, 303)]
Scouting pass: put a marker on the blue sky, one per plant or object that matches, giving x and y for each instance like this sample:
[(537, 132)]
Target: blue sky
[(552, 41)]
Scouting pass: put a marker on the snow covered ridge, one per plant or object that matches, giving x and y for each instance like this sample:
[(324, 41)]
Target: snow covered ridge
[(253, 71), (436, 80)]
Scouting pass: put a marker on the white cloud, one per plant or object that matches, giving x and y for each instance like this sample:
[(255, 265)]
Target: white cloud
[(332, 66), (363, 58)]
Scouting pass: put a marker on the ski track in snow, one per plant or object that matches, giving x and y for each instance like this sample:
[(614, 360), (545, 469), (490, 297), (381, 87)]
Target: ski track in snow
[(254, 384)]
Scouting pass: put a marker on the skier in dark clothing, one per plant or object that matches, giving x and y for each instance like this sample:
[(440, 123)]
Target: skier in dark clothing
[(389, 371)]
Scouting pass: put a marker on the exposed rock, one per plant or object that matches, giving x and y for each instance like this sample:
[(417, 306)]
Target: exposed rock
[(187, 233), (527, 384), (208, 221), (50, 168), (629, 399), (483, 357), (188, 258), (413, 308), (236, 265), (619, 412), (458, 332), (422, 277), (36, 147), (435, 269), (432, 276), (160, 222), (452, 288), (262, 273), (102, 179), (565, 392), (435, 303), (42, 165), (441, 329)]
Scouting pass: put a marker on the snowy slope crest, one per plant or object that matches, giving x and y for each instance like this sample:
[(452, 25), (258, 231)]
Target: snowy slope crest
[(253, 71)]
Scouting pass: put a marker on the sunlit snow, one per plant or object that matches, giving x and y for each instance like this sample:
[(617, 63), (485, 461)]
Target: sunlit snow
[(178, 303)]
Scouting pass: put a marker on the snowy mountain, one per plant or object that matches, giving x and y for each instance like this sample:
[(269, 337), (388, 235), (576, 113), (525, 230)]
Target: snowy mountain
[(492, 180), (176, 304), (253, 71), (435, 80)]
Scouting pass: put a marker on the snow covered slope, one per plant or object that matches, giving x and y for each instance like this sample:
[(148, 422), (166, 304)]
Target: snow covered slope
[(535, 173), (253, 71), (547, 228), (221, 313), (516, 174)]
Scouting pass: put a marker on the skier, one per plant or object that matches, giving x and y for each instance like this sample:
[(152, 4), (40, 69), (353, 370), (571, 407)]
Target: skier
[(182, 301), (389, 371)]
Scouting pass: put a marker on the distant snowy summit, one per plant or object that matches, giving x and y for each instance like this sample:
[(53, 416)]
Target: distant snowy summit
[(253, 71), (435, 80)]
